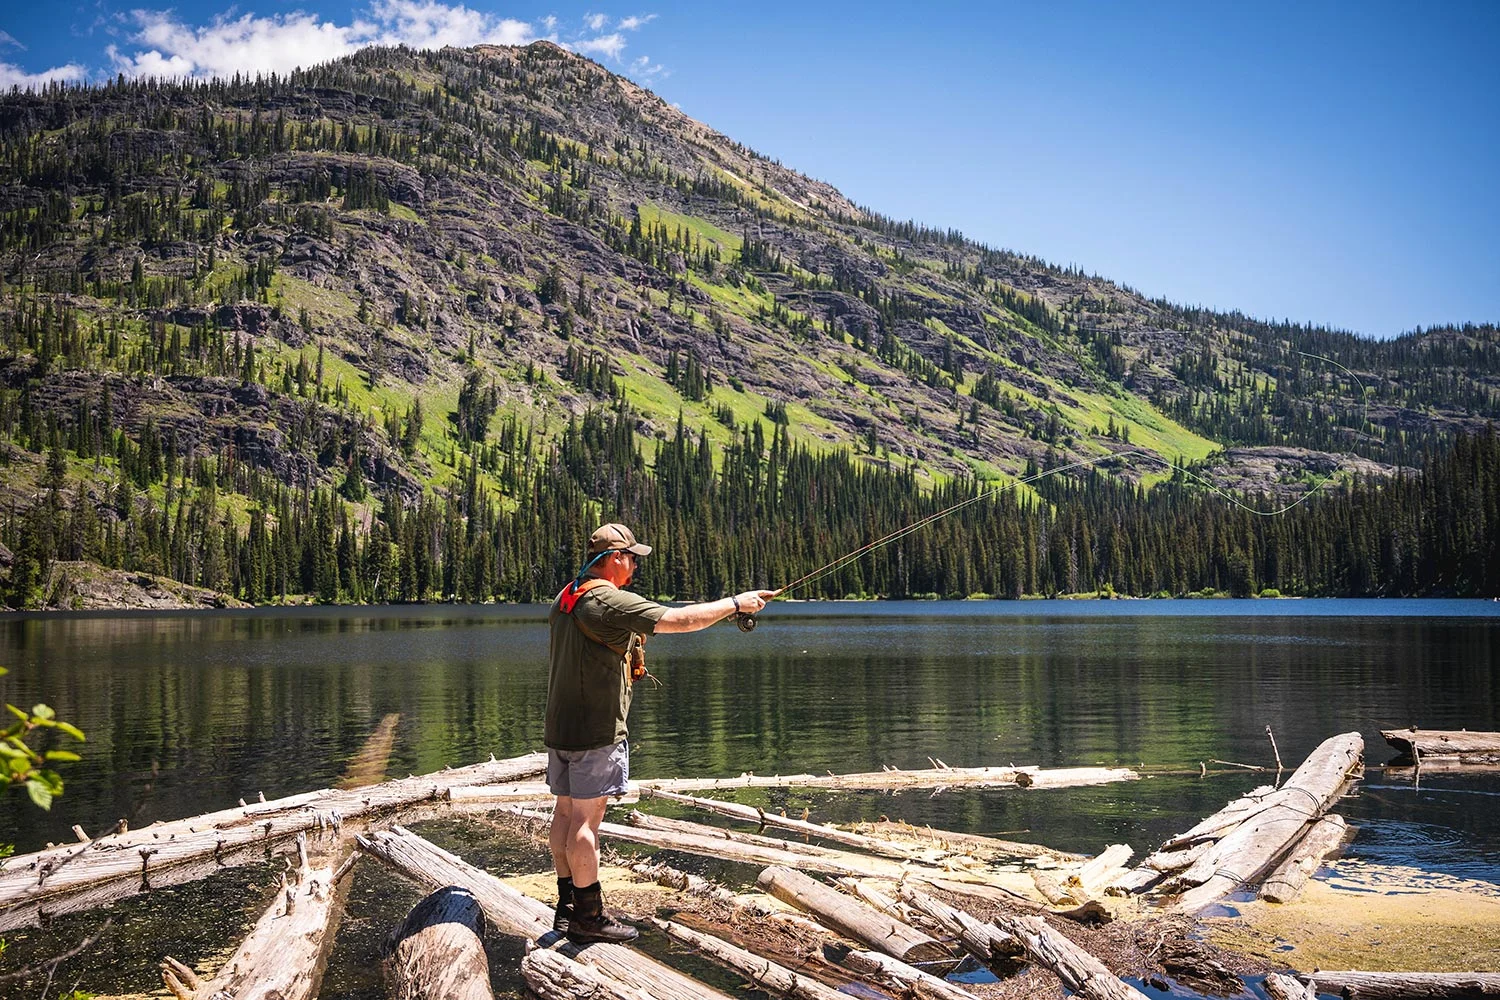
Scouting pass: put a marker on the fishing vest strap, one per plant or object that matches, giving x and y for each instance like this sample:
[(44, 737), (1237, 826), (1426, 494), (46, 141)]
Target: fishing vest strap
[(635, 653)]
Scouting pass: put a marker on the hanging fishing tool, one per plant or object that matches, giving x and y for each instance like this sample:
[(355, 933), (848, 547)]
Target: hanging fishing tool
[(746, 620)]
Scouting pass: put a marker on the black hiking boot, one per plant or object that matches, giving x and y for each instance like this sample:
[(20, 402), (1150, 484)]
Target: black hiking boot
[(590, 923), (564, 912)]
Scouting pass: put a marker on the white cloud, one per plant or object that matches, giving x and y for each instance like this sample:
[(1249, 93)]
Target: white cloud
[(611, 46), (643, 67), (632, 23), (6, 38), (549, 22), (15, 76), (596, 22), (165, 46)]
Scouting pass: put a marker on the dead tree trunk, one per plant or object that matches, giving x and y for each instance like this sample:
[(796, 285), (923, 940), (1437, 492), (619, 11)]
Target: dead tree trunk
[(1284, 987), (985, 942), (554, 976), (777, 980), (1409, 985), (1445, 744), (1080, 972), (283, 956), (1321, 839), (851, 917), (437, 952), (966, 843)]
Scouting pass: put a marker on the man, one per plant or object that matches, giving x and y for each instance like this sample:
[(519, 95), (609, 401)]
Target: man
[(598, 631)]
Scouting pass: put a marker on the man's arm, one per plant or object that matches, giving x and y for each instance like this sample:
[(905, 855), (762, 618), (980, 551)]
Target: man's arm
[(700, 616)]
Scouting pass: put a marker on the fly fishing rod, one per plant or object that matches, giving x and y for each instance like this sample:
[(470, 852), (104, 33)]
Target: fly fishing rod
[(746, 620)]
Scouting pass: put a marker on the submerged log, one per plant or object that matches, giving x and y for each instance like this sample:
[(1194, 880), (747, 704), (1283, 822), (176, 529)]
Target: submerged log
[(437, 952), (1080, 972), (28, 882), (851, 917), (1445, 744), (1250, 848), (553, 976), (283, 956), (511, 912), (776, 979), (1417, 985), (1321, 839)]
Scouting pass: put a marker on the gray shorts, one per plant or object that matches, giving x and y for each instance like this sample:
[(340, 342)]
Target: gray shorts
[(589, 774)]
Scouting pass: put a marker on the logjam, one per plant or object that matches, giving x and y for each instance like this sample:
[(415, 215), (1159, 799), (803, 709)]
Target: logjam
[(1321, 839), (896, 975), (1416, 985), (553, 976), (851, 917), (1250, 848), (776, 979), (664, 825), (1080, 972), (137, 855), (1284, 987), (985, 942), (283, 956), (511, 912), (437, 952), (1445, 744)]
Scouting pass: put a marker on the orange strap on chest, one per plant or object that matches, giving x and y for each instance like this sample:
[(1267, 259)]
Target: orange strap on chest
[(567, 600)]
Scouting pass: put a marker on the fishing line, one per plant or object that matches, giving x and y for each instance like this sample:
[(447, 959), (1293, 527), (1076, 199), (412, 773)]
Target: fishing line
[(747, 621)]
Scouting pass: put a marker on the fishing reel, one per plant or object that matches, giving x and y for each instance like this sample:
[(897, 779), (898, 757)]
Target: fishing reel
[(745, 620)]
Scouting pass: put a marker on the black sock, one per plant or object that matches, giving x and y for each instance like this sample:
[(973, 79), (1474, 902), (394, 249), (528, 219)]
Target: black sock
[(565, 891)]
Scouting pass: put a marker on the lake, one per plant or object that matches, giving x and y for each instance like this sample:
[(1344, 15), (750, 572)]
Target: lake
[(187, 712)]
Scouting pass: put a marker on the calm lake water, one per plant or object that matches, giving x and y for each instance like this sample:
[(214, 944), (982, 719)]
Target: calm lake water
[(189, 712)]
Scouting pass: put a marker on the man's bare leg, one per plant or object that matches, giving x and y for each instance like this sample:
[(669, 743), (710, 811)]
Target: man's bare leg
[(557, 836), (589, 922)]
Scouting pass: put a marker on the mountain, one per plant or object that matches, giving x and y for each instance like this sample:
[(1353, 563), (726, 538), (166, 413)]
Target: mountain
[(451, 283)]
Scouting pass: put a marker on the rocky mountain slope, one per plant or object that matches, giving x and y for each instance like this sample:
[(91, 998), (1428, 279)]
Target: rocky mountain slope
[(371, 272)]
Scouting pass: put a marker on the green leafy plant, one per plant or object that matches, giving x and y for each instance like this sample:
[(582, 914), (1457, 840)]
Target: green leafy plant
[(24, 766)]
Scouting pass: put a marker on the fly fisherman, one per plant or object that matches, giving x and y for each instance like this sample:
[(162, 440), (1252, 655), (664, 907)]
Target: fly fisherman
[(597, 648)]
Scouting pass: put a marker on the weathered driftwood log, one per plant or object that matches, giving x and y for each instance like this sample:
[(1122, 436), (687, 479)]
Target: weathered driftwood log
[(896, 975), (437, 952), (988, 848), (29, 881), (1321, 839), (1284, 987), (1449, 744), (511, 912), (1054, 891), (894, 778), (1080, 972), (851, 917), (553, 976), (283, 956), (1412, 985), (776, 979), (1213, 827), (985, 942), (1100, 871), (1250, 848), (752, 814), (663, 824)]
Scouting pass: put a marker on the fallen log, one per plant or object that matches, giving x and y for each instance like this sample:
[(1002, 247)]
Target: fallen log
[(1284, 987), (751, 814), (1445, 744), (28, 882), (1100, 871), (987, 848), (1054, 890), (1417, 985), (662, 824), (1080, 972), (1321, 839), (850, 917), (511, 912), (896, 975), (283, 956), (1212, 827), (553, 976), (1253, 846), (437, 952), (776, 979)]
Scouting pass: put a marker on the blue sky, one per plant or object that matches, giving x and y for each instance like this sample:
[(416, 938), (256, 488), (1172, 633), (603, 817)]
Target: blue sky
[(1327, 163)]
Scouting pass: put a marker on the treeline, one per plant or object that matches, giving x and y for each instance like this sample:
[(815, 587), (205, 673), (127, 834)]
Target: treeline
[(760, 512)]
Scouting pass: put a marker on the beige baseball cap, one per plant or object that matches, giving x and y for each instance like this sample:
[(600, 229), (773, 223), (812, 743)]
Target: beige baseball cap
[(611, 537)]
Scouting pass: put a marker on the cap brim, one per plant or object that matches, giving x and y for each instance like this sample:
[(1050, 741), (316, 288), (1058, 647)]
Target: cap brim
[(639, 549)]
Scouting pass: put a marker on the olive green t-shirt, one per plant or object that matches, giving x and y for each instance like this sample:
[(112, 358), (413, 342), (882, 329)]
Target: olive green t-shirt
[(588, 689)]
